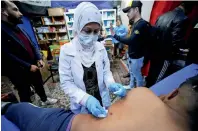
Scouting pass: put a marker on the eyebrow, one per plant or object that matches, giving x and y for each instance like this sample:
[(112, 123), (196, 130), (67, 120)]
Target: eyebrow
[(15, 8), (91, 28)]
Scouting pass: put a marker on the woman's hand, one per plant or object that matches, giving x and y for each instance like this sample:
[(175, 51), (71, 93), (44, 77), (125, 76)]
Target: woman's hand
[(117, 89), (93, 105)]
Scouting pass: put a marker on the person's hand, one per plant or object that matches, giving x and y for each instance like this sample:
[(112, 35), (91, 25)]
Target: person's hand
[(41, 63), (117, 89), (34, 68), (112, 32), (93, 105)]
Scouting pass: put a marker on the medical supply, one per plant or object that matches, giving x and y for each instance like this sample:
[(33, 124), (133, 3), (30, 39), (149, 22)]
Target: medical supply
[(127, 87), (103, 115), (117, 89), (120, 92)]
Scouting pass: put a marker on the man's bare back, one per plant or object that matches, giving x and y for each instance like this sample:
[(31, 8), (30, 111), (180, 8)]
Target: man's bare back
[(140, 110)]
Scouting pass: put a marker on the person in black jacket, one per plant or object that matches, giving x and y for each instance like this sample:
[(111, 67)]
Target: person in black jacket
[(20, 56), (173, 26), (136, 42)]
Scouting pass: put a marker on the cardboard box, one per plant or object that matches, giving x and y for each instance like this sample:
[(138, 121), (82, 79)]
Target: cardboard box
[(56, 11)]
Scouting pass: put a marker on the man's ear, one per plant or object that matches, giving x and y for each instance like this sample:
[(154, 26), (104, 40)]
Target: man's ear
[(4, 12), (173, 94)]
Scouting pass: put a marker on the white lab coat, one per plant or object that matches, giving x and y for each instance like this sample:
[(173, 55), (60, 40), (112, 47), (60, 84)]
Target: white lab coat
[(71, 76)]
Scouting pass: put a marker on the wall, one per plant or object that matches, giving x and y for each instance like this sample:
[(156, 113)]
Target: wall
[(146, 10), (72, 4)]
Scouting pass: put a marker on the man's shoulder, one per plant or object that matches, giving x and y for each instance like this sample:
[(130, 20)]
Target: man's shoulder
[(141, 24)]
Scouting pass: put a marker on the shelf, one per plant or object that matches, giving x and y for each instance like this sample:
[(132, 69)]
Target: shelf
[(109, 19), (70, 22), (108, 27), (69, 13), (54, 24), (108, 10), (38, 25), (58, 16), (70, 28), (49, 32), (43, 40), (53, 40)]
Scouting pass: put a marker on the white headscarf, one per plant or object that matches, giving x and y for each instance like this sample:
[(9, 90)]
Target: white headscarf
[(85, 13)]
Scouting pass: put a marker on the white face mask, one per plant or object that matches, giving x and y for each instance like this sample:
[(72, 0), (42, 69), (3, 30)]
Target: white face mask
[(87, 41)]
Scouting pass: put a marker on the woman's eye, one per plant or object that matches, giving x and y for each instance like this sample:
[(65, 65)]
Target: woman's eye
[(88, 31), (96, 31)]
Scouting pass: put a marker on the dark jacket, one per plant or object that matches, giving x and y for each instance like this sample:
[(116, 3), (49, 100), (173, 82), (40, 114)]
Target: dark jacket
[(137, 40), (193, 48), (14, 54), (173, 26)]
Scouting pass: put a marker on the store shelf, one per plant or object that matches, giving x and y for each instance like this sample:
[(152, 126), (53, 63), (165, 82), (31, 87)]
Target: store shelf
[(38, 25), (49, 32), (54, 24), (43, 40), (70, 21), (108, 27), (69, 13), (43, 30), (109, 19), (108, 10), (53, 40), (70, 28)]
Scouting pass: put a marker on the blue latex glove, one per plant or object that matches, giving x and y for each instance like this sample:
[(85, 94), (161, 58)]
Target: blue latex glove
[(93, 106), (117, 89)]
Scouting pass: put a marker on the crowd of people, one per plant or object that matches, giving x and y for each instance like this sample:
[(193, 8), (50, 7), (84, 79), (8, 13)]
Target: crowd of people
[(85, 75), (161, 45)]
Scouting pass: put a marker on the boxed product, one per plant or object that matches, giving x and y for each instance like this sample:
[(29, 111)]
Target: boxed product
[(56, 11)]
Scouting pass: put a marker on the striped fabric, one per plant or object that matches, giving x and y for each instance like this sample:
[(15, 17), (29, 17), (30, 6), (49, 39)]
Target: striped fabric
[(163, 71)]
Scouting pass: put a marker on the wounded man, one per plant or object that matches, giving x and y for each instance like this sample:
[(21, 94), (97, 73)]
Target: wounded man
[(140, 110)]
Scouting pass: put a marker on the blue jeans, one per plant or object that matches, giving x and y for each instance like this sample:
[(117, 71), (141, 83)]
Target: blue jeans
[(128, 59), (30, 118), (135, 72)]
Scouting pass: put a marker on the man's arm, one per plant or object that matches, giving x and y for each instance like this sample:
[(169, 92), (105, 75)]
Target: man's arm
[(123, 34), (178, 33), (135, 35), (17, 60)]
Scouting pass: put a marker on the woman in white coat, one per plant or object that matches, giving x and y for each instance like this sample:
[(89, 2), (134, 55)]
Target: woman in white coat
[(84, 67)]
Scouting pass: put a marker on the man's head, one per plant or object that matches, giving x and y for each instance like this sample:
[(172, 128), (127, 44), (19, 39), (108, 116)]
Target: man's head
[(118, 22), (185, 98), (188, 6), (133, 10), (10, 13)]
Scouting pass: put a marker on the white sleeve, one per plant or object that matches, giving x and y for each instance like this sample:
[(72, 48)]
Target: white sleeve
[(76, 94), (108, 77)]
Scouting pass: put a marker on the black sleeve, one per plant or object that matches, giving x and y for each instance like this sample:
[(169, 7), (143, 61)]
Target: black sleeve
[(138, 32), (178, 33)]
